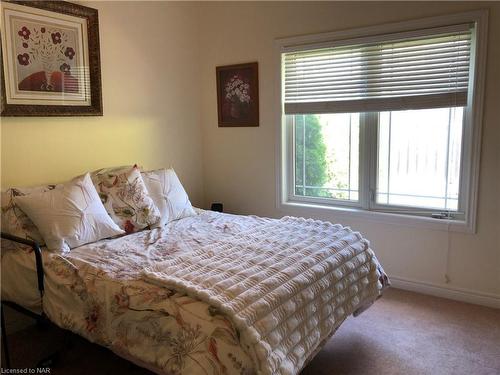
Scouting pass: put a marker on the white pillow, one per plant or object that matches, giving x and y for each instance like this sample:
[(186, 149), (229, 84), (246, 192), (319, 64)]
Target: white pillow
[(168, 194), (70, 216)]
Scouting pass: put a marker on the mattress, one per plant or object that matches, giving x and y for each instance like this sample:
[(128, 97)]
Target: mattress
[(99, 292)]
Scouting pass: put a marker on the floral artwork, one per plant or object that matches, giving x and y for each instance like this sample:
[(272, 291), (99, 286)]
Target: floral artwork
[(50, 59), (237, 94), (46, 58)]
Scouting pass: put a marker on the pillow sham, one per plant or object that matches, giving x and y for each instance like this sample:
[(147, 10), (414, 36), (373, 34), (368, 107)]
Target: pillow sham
[(168, 194), (69, 216), (125, 197), (14, 220)]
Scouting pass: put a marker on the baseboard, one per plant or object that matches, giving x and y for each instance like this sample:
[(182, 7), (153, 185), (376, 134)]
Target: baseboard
[(458, 294)]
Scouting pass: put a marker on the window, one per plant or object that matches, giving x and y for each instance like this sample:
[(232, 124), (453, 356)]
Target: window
[(384, 122), (419, 158), (327, 156)]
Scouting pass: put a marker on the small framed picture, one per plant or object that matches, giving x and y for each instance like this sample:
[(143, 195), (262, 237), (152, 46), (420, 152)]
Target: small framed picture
[(50, 59), (238, 95)]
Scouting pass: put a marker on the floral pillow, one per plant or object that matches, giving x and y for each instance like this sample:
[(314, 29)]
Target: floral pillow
[(126, 198), (14, 220)]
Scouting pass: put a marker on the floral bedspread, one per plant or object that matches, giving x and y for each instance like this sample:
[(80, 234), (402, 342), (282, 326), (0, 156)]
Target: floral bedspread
[(98, 291)]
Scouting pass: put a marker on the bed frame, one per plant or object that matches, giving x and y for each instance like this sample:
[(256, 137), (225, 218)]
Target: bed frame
[(41, 319)]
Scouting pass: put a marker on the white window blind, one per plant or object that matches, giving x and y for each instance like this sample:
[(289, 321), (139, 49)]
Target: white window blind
[(421, 69)]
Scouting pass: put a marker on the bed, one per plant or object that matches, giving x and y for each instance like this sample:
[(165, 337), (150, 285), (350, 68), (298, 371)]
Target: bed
[(127, 293)]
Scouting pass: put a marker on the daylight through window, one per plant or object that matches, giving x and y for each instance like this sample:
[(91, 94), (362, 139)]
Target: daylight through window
[(379, 123)]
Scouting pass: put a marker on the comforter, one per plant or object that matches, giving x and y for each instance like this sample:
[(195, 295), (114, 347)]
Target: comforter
[(116, 293), (286, 284)]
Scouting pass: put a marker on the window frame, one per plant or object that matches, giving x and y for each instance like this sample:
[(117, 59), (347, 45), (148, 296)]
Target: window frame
[(367, 208)]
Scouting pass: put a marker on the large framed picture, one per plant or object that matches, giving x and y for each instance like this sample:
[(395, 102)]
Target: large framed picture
[(238, 95), (50, 58)]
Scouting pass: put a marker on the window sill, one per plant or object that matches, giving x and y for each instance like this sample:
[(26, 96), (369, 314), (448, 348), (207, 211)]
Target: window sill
[(379, 217)]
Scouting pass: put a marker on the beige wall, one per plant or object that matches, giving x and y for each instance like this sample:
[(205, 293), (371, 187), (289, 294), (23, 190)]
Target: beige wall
[(239, 163), (149, 63), (158, 70)]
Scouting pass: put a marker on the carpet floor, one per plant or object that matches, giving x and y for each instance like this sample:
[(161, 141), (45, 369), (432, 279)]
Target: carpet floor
[(403, 333)]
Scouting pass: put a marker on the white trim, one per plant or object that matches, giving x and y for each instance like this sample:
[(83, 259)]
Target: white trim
[(477, 94), (422, 23), (352, 213), (280, 129), (444, 291), (373, 38), (472, 144)]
